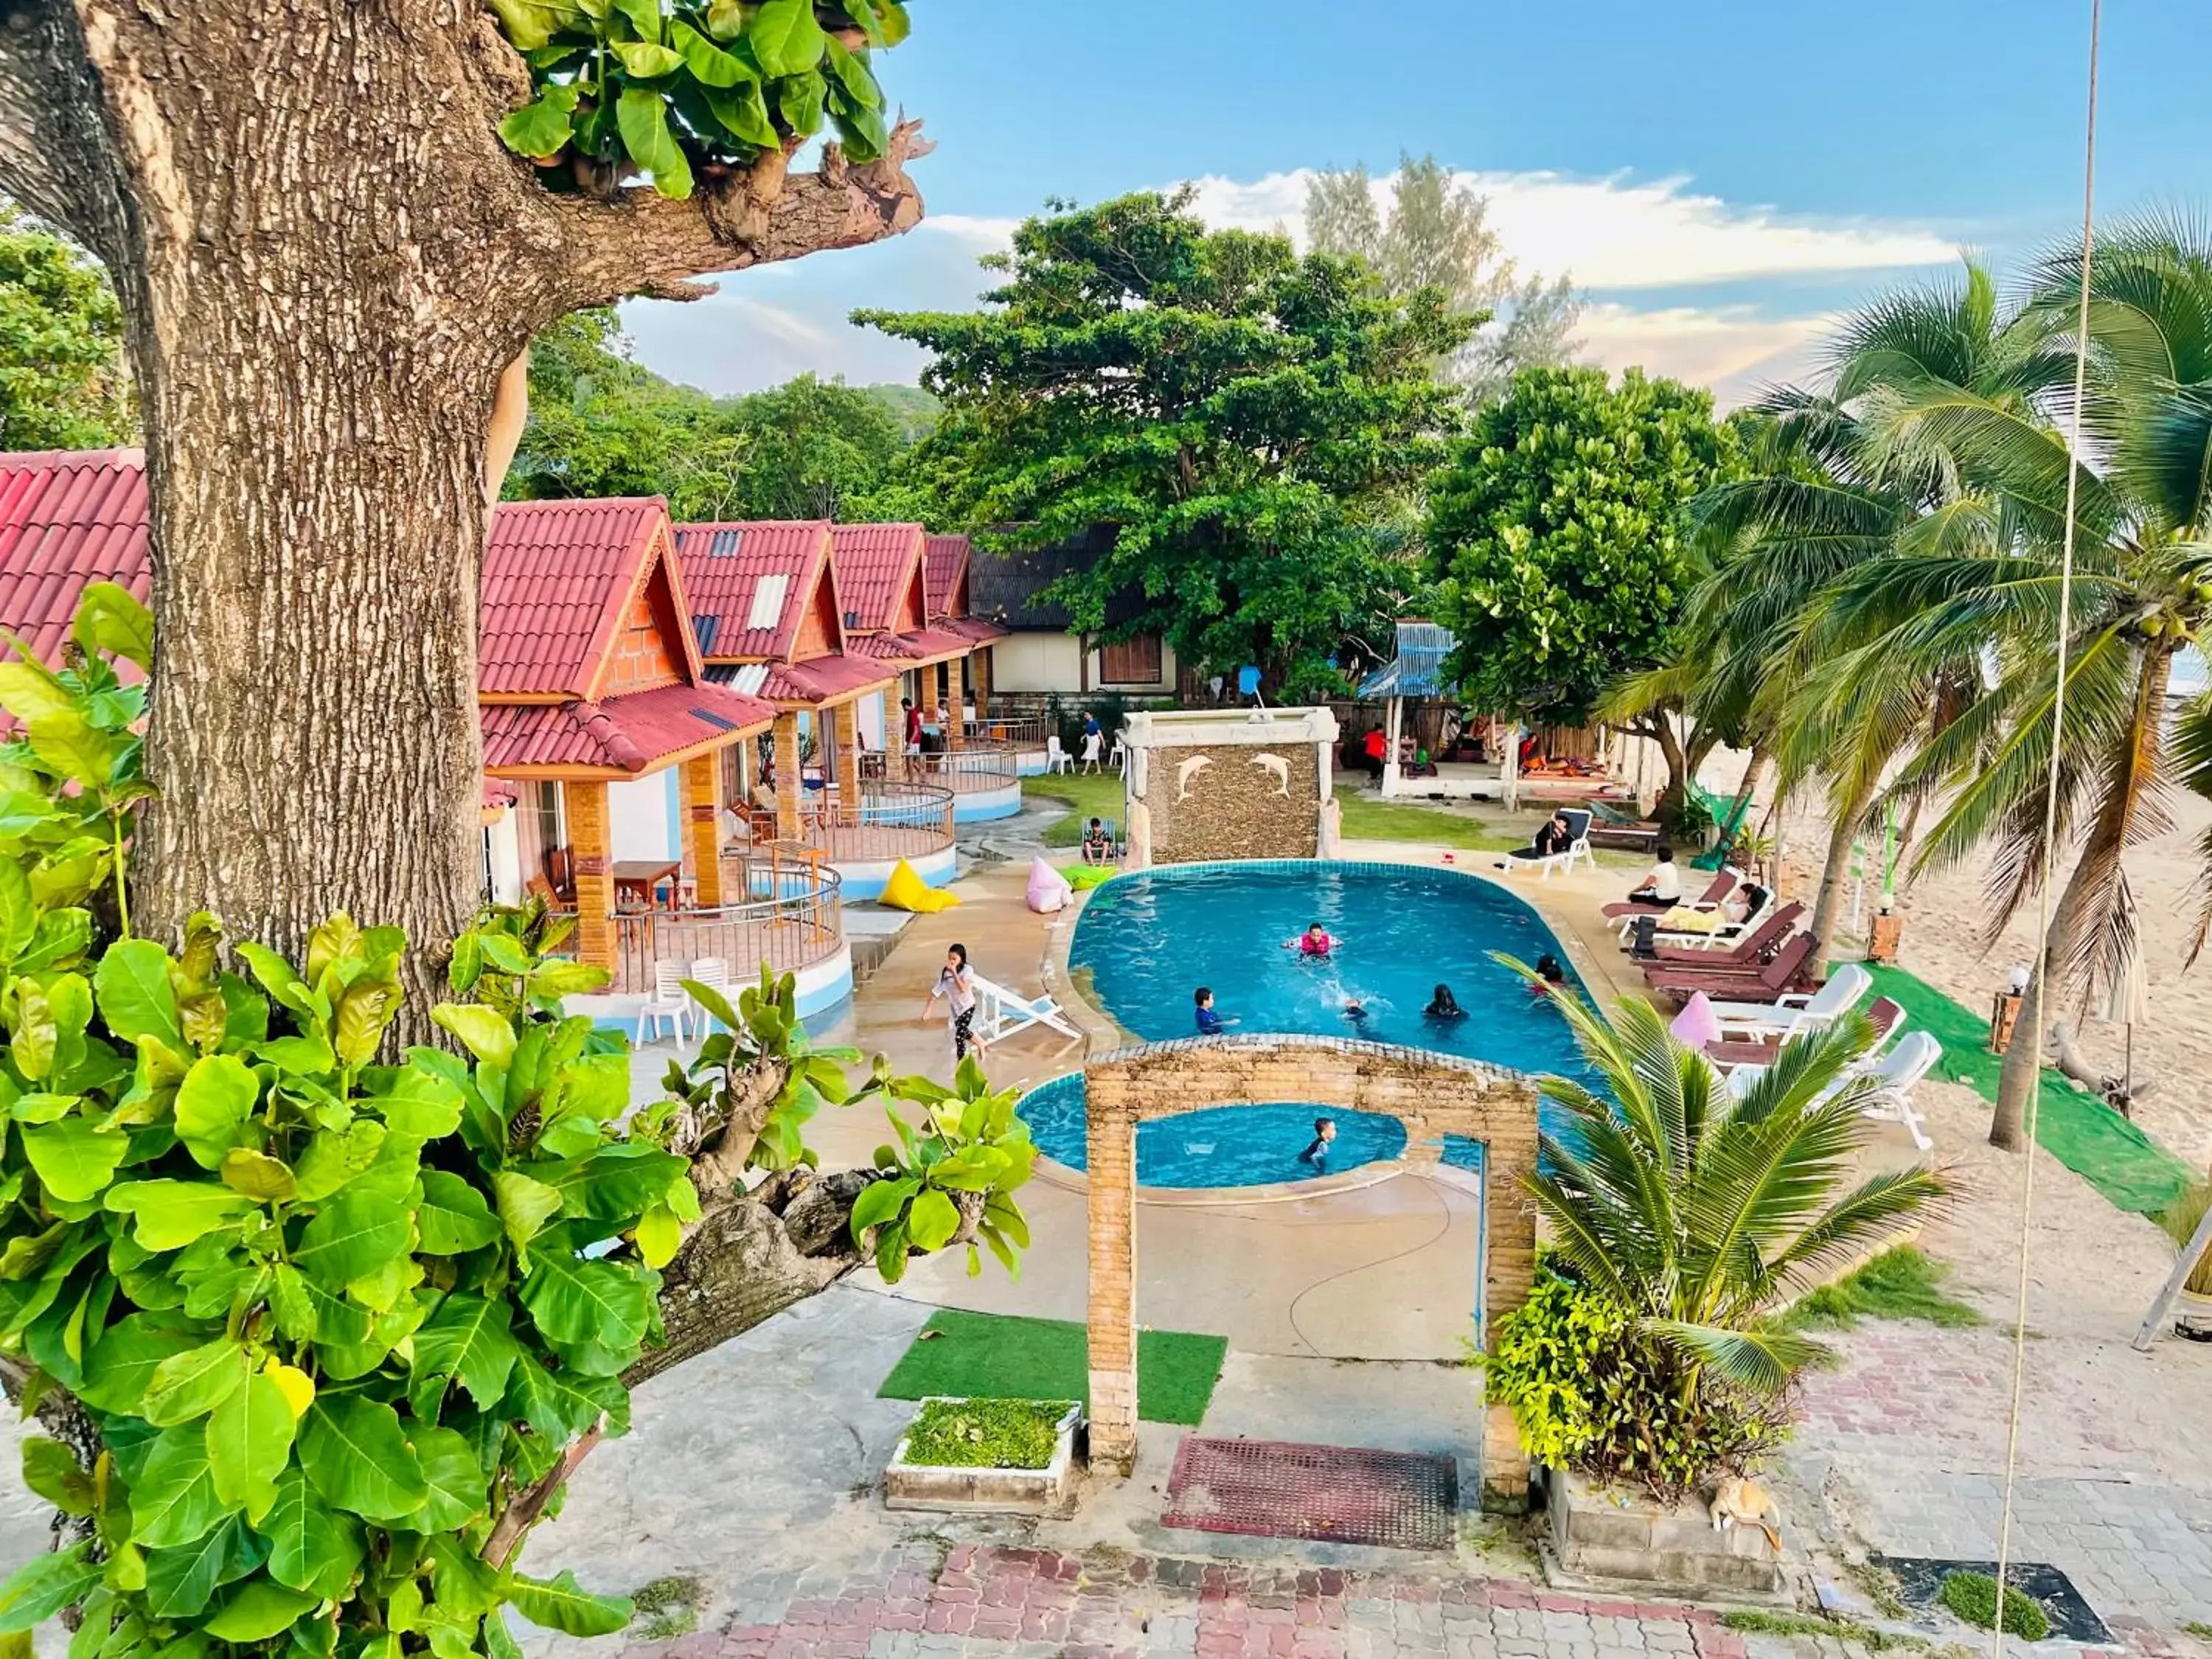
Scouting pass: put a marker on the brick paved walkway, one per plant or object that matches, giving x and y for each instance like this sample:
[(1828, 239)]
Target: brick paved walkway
[(983, 1601)]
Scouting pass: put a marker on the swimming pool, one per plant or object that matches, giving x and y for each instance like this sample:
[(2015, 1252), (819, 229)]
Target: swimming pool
[(1215, 1146), (1145, 941)]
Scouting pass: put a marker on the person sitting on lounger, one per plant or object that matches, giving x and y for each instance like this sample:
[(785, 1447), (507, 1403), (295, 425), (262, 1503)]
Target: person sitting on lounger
[(1553, 838), (1662, 887), (1097, 845)]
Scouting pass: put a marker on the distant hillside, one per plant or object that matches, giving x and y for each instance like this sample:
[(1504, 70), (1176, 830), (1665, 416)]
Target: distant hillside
[(915, 409)]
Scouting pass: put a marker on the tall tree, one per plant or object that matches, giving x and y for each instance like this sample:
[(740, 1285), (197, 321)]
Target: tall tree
[(62, 380), (1559, 531), (327, 249), (1437, 235), (1253, 422)]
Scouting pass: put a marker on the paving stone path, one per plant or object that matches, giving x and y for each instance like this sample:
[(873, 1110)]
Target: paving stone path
[(985, 1601)]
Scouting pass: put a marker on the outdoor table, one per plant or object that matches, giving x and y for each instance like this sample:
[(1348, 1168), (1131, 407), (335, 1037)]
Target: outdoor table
[(640, 879)]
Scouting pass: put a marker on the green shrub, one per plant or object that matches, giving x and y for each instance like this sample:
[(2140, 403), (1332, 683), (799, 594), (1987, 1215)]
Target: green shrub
[(986, 1434), (1974, 1597), (1590, 1391)]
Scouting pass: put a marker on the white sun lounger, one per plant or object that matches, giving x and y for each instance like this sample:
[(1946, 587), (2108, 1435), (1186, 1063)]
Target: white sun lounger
[(1895, 1075), (1798, 1013), (1001, 1013)]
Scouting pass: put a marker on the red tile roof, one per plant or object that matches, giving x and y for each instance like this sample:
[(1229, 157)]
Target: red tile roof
[(875, 562), (975, 628), (915, 649), (627, 733), (68, 518), (723, 565), (944, 561), (558, 577), (810, 685)]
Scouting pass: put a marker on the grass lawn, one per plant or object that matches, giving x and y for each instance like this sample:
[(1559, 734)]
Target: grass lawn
[(1092, 795), (1370, 817), (1008, 1358), (1898, 1284)]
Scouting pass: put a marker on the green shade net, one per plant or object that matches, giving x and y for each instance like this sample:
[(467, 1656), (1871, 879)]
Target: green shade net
[(2133, 1171), (999, 1357)]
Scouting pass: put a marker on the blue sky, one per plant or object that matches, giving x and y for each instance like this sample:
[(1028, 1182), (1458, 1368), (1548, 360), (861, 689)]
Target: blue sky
[(1718, 177)]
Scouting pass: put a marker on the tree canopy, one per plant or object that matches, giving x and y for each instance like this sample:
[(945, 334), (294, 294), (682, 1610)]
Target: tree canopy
[(1437, 235), (1253, 422), (62, 379), (602, 424), (1558, 531)]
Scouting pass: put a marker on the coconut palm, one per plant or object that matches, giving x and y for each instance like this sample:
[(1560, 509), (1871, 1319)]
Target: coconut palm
[(1698, 1213)]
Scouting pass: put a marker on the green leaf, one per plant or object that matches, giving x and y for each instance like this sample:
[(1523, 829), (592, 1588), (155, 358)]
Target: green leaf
[(258, 1610), (19, 910), (334, 1160), (180, 1581), (36, 1592), (539, 129), (249, 1442), (71, 746), (298, 1056), (784, 37), (353, 1236), (485, 1033), (258, 1175), (933, 1220), (469, 1339), (74, 1159), (29, 692), (799, 101), (108, 618), (499, 1641), (306, 1312), (186, 1387), (419, 1104), (50, 1469), (529, 24), (854, 74), (879, 1201), (457, 1484), (524, 1205), (173, 1501), (135, 1000), (122, 1364), (642, 116), (213, 1103), (709, 64), (312, 1548), (574, 1301), (862, 132), (454, 1216), (170, 1214), (359, 1459), (563, 1604), (645, 60), (659, 1236)]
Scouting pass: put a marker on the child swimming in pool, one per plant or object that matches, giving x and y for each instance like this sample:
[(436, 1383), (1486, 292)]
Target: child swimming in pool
[(1316, 1152), (1443, 1006), (1314, 942), (1551, 977)]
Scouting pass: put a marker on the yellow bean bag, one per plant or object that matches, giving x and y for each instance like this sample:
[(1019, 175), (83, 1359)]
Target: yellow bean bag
[(906, 890)]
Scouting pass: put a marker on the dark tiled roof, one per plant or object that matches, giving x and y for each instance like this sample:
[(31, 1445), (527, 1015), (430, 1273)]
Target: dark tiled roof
[(875, 562), (1003, 586), (68, 518), (558, 577), (723, 565), (943, 560), (626, 733)]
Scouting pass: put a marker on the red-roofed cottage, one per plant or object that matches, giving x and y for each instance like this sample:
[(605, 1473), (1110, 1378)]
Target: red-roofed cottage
[(601, 729)]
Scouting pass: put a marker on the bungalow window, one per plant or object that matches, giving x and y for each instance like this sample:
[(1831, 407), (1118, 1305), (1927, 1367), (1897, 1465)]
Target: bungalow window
[(1132, 661)]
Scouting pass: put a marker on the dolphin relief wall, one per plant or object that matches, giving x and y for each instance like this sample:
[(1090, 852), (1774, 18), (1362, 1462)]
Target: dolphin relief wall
[(1229, 783)]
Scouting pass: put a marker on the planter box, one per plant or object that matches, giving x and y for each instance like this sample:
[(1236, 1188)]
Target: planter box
[(1605, 1538), (1888, 931), (1049, 1491)]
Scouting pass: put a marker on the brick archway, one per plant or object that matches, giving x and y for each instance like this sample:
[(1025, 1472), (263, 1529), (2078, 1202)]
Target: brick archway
[(1432, 1095)]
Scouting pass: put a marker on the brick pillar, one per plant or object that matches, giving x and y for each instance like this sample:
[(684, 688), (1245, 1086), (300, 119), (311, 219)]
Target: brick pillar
[(588, 853), (847, 719), (894, 732), (703, 825), (789, 785), (982, 676), (956, 679), (1112, 1136)]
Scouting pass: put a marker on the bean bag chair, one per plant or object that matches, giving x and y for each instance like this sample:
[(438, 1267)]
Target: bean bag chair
[(1049, 889), (1696, 1024), (906, 890), (1084, 876)]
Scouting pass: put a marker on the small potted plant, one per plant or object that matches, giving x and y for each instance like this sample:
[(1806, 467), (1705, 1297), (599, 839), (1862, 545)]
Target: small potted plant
[(982, 1456)]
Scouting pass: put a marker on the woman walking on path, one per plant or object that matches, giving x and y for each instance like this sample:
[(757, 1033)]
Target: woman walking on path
[(956, 983)]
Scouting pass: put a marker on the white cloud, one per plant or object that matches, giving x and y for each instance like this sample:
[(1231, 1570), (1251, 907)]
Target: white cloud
[(1730, 349), (1616, 233)]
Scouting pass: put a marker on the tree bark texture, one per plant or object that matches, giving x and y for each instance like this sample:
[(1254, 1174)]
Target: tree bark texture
[(1843, 835), (326, 259)]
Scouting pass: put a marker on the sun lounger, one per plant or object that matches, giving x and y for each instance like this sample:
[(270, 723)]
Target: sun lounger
[(1770, 982), (1721, 955), (1797, 1013), (1578, 824), (1676, 942), (1895, 1075), (1611, 827), (1885, 1016), (1720, 886), (1001, 1013)]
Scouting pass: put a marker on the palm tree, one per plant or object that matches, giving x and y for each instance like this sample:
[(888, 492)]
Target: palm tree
[(1698, 1213)]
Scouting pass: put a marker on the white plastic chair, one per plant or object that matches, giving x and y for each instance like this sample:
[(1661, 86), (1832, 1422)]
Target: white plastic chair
[(1092, 743), (1900, 1070), (715, 972), (1118, 756), (1056, 759), (1799, 1012), (670, 1001)]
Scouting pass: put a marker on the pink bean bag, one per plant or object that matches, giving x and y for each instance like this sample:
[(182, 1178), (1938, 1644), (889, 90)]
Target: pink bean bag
[(1696, 1024), (1049, 889)]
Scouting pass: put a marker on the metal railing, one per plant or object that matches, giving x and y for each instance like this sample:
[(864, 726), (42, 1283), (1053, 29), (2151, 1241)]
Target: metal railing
[(891, 819), (1020, 733), (788, 914), (971, 771)]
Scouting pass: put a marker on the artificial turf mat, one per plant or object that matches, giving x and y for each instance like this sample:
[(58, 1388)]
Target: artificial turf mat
[(999, 1356), (2133, 1171)]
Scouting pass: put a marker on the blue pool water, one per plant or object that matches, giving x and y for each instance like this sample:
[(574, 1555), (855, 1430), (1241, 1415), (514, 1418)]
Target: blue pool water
[(1226, 1145), (1147, 940)]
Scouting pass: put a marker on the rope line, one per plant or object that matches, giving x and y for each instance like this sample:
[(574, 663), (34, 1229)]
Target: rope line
[(2050, 830)]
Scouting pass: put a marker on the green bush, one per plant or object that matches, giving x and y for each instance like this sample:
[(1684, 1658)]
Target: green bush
[(986, 1434), (1974, 1597), (1591, 1391)]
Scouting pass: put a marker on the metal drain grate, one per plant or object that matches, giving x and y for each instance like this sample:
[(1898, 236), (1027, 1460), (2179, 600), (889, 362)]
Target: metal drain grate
[(1338, 1494)]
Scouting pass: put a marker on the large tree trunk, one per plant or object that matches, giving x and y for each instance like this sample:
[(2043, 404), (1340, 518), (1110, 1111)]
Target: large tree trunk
[(326, 259)]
